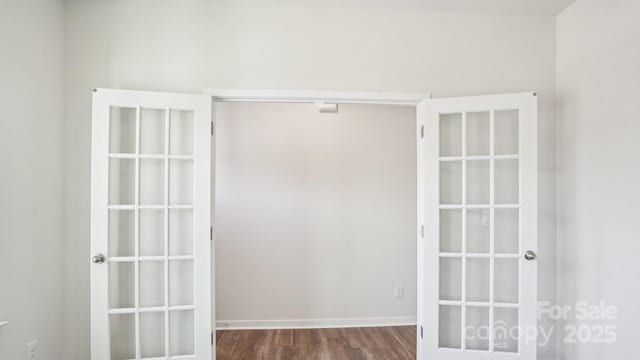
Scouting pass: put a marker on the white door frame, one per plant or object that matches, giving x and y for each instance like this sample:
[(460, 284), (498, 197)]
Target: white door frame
[(311, 96), (349, 97)]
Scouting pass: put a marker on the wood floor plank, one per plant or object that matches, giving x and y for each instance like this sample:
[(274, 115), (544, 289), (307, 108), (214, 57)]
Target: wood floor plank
[(372, 343)]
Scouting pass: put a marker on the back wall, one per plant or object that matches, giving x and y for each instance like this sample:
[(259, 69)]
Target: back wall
[(315, 214), (195, 44)]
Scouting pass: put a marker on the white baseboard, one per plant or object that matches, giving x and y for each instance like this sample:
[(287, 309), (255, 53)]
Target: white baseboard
[(315, 323)]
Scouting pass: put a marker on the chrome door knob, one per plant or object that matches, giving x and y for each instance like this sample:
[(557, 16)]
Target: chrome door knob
[(98, 259), (530, 255)]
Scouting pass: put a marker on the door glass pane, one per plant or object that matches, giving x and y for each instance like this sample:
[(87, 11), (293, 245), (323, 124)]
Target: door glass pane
[(450, 278), (477, 279), (450, 134), (122, 333), (450, 332), (180, 182), (506, 181), (152, 334), (505, 328), (478, 130), (181, 332), (506, 280), (121, 285), (506, 231), (451, 230), (181, 232), (151, 232), (150, 228), (152, 129), (478, 230), (451, 182), (477, 328), (152, 182), (180, 282), (121, 233), (478, 182), (122, 130), (151, 283), (479, 243), (122, 179), (181, 132), (506, 132)]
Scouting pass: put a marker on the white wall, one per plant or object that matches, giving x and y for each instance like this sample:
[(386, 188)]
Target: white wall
[(193, 44), (598, 238), (315, 213), (31, 233)]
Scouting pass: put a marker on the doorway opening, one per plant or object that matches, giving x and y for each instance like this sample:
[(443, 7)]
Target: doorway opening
[(315, 227)]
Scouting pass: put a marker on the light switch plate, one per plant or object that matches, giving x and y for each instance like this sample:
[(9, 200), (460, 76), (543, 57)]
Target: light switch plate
[(486, 217)]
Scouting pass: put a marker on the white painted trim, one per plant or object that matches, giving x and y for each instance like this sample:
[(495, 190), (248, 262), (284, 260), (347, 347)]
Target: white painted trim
[(271, 95), (315, 323), (420, 230)]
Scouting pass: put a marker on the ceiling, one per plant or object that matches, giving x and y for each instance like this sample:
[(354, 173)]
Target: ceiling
[(523, 7), (520, 7)]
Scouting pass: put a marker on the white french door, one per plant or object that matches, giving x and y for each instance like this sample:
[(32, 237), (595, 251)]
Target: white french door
[(478, 163), (151, 290)]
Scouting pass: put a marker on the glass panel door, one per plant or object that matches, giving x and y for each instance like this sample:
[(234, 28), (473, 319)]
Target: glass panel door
[(155, 192), (479, 158)]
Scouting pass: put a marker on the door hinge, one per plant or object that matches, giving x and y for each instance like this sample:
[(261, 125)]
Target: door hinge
[(211, 233), (212, 128), (421, 333), (212, 338), (422, 131), (422, 231)]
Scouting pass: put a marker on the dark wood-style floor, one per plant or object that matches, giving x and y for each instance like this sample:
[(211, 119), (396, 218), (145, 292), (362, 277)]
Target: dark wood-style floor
[(373, 343)]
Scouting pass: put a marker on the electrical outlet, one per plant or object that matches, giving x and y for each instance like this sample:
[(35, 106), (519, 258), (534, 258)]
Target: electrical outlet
[(398, 291), (32, 350)]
